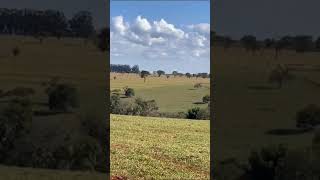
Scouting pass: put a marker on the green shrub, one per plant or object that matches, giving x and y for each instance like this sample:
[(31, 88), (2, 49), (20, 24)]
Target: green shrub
[(197, 113), (197, 85), (206, 99), (62, 97), (308, 117), (129, 92), (16, 51), (145, 108)]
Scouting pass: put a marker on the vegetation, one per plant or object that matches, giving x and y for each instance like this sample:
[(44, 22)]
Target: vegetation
[(136, 152)]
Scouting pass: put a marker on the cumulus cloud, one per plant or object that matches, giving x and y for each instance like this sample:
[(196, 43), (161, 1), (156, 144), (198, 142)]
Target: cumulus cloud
[(159, 39)]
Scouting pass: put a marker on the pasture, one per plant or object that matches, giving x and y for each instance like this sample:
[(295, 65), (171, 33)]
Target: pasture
[(251, 112), (174, 94), (69, 59), (159, 148)]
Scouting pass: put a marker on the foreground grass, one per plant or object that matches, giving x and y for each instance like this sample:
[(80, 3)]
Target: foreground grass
[(144, 147), (15, 173)]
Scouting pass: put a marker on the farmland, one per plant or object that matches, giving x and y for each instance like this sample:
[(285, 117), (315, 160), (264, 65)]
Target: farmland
[(174, 94), (250, 112), (73, 61), (159, 148)]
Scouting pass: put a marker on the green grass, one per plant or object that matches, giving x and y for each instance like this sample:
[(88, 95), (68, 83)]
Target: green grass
[(176, 94), (159, 148), (245, 115), (14, 173), (69, 59)]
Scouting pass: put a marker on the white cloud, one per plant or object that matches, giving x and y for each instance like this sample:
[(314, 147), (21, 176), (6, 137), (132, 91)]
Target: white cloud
[(159, 40), (202, 28)]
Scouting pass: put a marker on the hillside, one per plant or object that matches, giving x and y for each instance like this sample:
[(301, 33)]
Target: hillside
[(159, 148)]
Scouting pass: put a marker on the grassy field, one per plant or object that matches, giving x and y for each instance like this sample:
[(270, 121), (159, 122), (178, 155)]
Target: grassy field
[(248, 109), (174, 94), (16, 173), (70, 59), (159, 148)]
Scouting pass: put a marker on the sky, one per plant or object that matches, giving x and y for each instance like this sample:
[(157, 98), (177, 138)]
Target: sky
[(266, 18), (161, 35)]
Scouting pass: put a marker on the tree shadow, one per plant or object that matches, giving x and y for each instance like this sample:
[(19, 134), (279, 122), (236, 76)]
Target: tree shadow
[(192, 89), (286, 132), (261, 87), (48, 113), (199, 103)]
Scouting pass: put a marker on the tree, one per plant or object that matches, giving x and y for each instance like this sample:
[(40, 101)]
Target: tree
[(318, 43), (303, 43), (135, 69), (175, 73), (197, 113), (129, 92), (62, 97), (145, 108), (160, 72), (188, 75), (104, 40), (16, 51), (308, 117), (227, 42), (144, 74), (114, 104), (81, 24), (249, 42), (206, 99)]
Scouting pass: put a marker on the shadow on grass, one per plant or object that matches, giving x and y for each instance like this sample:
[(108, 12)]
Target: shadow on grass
[(267, 109), (192, 89), (261, 87), (286, 132), (49, 112), (199, 103)]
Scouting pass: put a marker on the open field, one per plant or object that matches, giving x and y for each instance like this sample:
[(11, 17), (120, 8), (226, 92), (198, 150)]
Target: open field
[(14, 173), (69, 59), (159, 148), (250, 111), (174, 94)]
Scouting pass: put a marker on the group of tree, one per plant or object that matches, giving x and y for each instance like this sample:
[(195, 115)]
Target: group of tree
[(124, 68), (299, 43), (45, 23)]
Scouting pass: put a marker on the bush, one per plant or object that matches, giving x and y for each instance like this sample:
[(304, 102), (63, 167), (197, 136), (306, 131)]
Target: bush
[(308, 117), (145, 108), (16, 51), (20, 91), (198, 85), (114, 104), (197, 113), (62, 97), (206, 99), (129, 92), (15, 119)]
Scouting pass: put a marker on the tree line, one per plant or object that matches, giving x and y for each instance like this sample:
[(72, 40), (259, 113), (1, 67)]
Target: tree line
[(298, 43), (124, 68), (45, 23)]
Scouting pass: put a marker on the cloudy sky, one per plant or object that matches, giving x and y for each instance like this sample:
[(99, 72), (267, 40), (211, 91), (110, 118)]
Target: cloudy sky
[(161, 35)]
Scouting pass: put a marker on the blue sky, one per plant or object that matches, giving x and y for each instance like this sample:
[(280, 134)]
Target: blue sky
[(161, 35)]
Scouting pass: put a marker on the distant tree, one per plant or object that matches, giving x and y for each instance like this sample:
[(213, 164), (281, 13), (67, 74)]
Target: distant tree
[(303, 43), (160, 72), (135, 69), (227, 42), (249, 42), (284, 42), (144, 74), (81, 24), (175, 73), (168, 76), (318, 43), (268, 43), (188, 75)]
